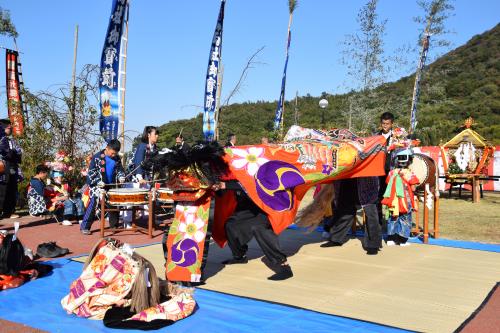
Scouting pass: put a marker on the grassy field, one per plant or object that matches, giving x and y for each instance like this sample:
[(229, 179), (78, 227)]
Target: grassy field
[(461, 219)]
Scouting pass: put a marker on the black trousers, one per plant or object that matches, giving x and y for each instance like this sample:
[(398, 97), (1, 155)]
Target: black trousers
[(8, 195), (343, 219), (381, 191), (243, 225), (3, 192)]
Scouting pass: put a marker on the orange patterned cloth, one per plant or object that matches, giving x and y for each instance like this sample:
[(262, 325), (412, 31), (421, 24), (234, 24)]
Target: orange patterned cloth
[(186, 240), (276, 177), (103, 283), (11, 281)]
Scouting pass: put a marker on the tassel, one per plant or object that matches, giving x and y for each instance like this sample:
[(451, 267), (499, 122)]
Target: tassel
[(16, 229), (146, 275), (430, 197)]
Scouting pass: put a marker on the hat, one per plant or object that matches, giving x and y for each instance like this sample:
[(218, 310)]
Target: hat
[(5, 122), (405, 152), (57, 173)]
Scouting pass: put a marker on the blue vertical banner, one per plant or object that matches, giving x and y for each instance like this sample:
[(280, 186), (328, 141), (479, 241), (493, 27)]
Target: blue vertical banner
[(109, 87), (279, 108), (418, 76), (212, 78)]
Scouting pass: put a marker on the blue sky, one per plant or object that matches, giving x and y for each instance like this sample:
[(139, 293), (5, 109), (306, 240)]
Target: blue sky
[(169, 43)]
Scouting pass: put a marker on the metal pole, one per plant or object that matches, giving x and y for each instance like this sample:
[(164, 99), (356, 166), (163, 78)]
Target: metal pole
[(220, 77), (418, 76), (283, 106), (122, 88), (72, 110), (296, 108)]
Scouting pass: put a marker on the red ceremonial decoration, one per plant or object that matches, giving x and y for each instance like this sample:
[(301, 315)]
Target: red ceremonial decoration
[(14, 102)]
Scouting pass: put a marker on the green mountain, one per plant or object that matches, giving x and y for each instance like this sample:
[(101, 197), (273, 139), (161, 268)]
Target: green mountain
[(464, 82)]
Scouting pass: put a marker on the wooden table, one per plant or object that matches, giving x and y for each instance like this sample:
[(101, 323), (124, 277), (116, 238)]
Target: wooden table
[(475, 180)]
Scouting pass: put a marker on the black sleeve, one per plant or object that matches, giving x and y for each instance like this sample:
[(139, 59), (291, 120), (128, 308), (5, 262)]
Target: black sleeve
[(233, 185), (116, 318)]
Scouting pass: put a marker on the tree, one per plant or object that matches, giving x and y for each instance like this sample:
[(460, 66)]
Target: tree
[(7, 28), (48, 130), (363, 55), (436, 12)]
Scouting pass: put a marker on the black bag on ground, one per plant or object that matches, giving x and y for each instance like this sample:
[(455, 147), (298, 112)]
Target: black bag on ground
[(51, 250)]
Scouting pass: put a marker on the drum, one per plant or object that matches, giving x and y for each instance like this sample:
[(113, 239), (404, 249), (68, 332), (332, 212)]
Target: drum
[(2, 167), (128, 196), (164, 195)]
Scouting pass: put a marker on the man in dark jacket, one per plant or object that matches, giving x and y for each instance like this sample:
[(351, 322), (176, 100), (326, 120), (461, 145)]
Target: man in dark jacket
[(231, 140), (11, 154)]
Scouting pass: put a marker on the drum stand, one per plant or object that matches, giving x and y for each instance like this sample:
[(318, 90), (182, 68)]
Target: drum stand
[(133, 208)]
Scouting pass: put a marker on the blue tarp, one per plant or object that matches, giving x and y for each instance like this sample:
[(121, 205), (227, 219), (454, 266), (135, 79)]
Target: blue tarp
[(37, 304)]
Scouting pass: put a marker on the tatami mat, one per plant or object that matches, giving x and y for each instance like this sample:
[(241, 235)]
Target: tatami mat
[(421, 287)]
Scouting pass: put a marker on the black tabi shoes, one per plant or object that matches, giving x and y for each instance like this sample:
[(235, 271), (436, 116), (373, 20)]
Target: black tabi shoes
[(236, 260)]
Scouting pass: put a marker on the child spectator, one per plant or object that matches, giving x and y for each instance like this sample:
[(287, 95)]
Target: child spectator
[(398, 201), (39, 200)]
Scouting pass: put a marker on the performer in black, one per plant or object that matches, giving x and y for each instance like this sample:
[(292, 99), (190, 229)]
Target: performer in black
[(250, 221), (350, 195), (181, 145)]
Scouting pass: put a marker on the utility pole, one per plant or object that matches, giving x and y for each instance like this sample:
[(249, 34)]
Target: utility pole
[(72, 109)]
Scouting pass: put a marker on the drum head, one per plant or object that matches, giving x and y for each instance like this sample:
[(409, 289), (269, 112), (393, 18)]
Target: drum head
[(419, 168), (128, 190)]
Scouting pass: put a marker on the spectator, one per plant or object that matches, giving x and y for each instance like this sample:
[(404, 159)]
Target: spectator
[(11, 154), (231, 140), (40, 199), (73, 207)]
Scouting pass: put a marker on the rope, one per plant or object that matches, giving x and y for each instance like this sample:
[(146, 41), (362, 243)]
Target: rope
[(147, 181)]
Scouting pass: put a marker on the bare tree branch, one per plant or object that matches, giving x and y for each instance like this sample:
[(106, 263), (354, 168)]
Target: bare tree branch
[(250, 64)]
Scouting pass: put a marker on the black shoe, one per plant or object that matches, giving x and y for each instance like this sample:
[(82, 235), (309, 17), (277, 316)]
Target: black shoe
[(284, 273), (372, 251), (51, 250), (331, 244), (235, 260)]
